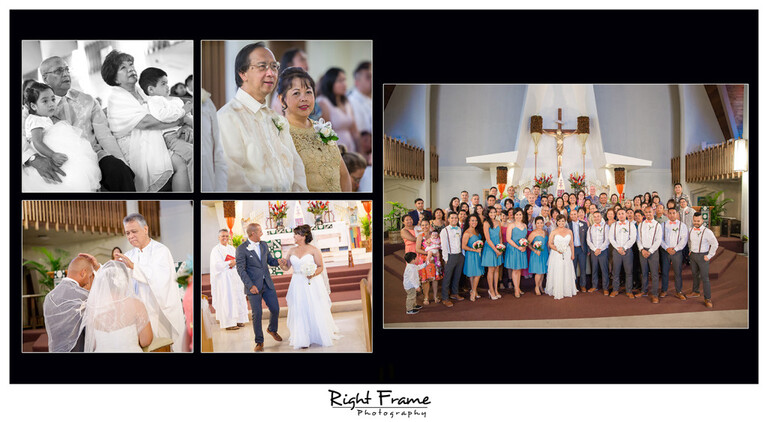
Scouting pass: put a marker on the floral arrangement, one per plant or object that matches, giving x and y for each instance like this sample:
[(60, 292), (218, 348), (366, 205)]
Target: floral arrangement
[(523, 242), (278, 210), (537, 245), (501, 247), (544, 181), (308, 269), (478, 245), (325, 132), (280, 122), (237, 240), (578, 182), (317, 207)]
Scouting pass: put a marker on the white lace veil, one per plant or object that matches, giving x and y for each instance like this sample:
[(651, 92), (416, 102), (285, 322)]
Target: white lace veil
[(112, 304), (63, 309)]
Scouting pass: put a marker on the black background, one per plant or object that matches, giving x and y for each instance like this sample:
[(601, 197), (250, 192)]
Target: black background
[(501, 47)]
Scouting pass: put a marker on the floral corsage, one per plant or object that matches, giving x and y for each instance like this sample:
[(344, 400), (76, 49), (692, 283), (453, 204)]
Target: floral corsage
[(325, 132)]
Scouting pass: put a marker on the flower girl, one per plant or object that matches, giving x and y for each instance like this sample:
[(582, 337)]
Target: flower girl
[(80, 163)]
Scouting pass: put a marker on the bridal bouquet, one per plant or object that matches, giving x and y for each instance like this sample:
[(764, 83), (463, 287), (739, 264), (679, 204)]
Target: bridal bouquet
[(280, 122), (478, 245), (325, 132), (308, 269), (501, 247)]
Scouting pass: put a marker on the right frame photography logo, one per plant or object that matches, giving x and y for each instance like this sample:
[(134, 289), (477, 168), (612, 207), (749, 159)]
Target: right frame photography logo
[(384, 402)]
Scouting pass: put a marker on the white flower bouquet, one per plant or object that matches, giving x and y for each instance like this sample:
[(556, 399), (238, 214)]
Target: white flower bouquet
[(501, 247), (523, 242), (325, 132), (537, 245), (308, 269), (478, 245)]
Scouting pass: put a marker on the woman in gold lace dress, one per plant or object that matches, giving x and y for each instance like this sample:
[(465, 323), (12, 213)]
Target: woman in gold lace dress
[(323, 164)]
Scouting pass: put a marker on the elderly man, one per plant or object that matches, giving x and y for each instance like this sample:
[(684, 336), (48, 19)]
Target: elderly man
[(226, 286), (83, 112), (63, 307), (154, 279), (258, 147)]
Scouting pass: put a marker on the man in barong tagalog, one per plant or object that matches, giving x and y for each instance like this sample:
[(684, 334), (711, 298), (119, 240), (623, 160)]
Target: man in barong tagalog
[(258, 147), (64, 306), (226, 286), (154, 279)]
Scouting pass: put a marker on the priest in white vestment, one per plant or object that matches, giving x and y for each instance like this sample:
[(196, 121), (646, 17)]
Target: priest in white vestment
[(258, 147), (226, 287), (154, 278)]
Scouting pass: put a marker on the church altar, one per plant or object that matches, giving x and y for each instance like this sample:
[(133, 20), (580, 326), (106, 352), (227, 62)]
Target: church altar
[(327, 236)]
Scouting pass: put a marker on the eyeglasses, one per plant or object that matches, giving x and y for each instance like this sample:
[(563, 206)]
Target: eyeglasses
[(58, 71), (262, 67)]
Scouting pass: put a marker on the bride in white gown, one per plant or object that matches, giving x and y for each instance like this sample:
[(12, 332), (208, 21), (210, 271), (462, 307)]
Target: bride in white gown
[(115, 319), (309, 304), (561, 277)]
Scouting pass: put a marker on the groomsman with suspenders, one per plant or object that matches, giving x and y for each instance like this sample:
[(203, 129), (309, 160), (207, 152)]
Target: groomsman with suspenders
[(672, 244), (450, 239), (648, 241), (703, 245), (597, 240), (622, 235)]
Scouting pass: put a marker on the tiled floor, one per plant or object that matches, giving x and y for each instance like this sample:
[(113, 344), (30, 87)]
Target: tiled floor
[(350, 325)]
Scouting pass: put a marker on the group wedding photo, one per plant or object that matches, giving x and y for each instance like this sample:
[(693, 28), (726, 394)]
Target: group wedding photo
[(573, 206), (107, 276), (286, 276), (286, 116), (107, 116)]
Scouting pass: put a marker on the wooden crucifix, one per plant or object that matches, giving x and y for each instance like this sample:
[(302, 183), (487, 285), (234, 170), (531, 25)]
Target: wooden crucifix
[(559, 134)]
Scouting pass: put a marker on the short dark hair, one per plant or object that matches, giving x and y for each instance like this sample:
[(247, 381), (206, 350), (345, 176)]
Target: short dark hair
[(326, 85), (671, 201), (697, 214), (24, 85), (304, 230), (678, 184), (366, 65), (434, 213), (286, 80), (286, 60), (464, 191), (150, 77), (536, 220), (32, 94), (417, 200), (493, 187), (410, 256), (406, 215), (243, 61), (490, 196), (450, 213), (111, 65)]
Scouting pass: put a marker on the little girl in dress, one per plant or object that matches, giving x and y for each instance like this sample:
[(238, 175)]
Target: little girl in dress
[(49, 137), (433, 247)]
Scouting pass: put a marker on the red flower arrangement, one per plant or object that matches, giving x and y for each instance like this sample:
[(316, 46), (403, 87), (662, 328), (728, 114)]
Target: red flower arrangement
[(317, 207), (277, 210), (577, 181), (544, 181)]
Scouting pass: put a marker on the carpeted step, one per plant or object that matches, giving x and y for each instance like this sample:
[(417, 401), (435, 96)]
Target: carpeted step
[(394, 266), (41, 344), (33, 334)]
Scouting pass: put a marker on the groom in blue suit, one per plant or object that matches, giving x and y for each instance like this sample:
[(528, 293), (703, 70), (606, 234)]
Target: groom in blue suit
[(579, 229), (253, 261)]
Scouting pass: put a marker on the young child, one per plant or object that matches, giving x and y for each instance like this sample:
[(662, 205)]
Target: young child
[(154, 83), (51, 139), (411, 283), (433, 246)]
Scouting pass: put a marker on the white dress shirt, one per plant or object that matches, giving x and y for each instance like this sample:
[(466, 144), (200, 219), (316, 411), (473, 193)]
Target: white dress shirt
[(597, 238), (675, 235), (450, 238), (576, 233), (622, 235), (260, 157), (702, 240), (411, 276), (649, 235)]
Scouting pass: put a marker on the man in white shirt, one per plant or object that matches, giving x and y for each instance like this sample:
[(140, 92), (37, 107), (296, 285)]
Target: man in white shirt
[(597, 240), (360, 98), (703, 244), (649, 237), (226, 287), (154, 278), (671, 252), (450, 239), (257, 144), (686, 216), (622, 235), (579, 229)]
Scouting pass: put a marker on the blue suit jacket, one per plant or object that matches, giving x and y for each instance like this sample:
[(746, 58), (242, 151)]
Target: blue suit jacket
[(415, 216), (254, 271)]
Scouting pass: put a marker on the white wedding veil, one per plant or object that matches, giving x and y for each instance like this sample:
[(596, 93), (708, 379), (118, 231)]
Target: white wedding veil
[(112, 304)]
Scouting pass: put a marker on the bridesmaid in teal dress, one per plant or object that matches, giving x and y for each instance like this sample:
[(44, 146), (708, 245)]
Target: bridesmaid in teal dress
[(492, 257), (472, 268), (538, 263), (515, 258)]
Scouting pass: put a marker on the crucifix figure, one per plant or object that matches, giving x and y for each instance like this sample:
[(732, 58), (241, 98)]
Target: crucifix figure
[(560, 134)]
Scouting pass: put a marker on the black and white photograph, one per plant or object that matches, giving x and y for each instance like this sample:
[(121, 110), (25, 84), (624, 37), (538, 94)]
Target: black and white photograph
[(107, 116), (287, 116)]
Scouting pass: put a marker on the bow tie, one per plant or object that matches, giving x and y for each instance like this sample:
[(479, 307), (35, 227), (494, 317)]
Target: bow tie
[(623, 224), (673, 222), (697, 229)]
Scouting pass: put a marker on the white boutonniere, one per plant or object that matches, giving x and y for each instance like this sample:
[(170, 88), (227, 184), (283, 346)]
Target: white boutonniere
[(624, 229), (280, 122), (324, 132)]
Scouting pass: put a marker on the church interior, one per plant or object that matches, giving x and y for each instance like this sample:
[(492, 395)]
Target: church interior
[(54, 232), (342, 232), (442, 139)]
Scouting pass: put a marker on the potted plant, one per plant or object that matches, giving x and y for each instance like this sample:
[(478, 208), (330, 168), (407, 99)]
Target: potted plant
[(365, 222), (48, 269), (716, 210), (392, 221)]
